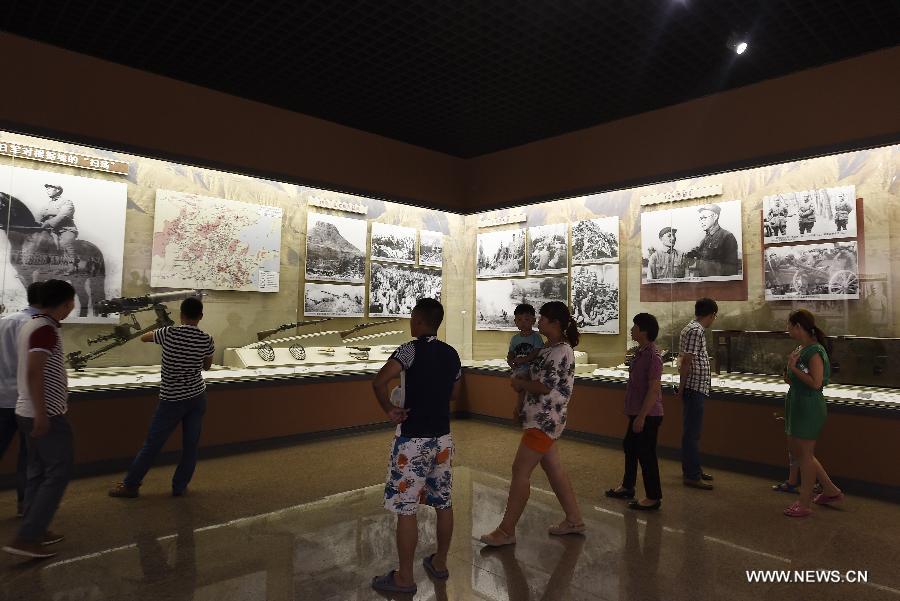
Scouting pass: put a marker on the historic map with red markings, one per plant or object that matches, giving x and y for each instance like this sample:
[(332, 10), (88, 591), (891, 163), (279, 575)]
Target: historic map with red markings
[(214, 244)]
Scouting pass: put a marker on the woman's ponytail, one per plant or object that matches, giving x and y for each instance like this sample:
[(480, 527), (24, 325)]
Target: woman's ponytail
[(558, 311), (806, 320), (572, 334)]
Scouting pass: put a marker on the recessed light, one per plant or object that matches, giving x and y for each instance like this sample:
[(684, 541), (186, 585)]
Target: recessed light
[(741, 48)]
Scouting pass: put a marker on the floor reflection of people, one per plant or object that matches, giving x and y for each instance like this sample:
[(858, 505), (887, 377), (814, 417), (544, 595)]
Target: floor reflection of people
[(641, 562), (557, 587), (160, 580)]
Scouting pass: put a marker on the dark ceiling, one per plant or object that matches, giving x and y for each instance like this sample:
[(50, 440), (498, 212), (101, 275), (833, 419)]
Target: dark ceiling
[(464, 77)]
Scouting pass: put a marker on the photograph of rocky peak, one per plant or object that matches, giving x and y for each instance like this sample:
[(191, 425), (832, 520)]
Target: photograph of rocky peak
[(335, 248)]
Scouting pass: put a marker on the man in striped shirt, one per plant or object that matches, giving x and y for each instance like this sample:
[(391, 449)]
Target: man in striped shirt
[(9, 387), (186, 351), (41, 414)]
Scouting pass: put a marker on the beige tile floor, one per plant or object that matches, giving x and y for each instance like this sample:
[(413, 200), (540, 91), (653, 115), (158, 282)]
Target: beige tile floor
[(305, 523)]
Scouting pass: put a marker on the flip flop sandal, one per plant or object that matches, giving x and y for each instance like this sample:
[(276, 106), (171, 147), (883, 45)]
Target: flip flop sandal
[(823, 499), (797, 511), (567, 528), (386, 584), (499, 540), (432, 571), (786, 487)]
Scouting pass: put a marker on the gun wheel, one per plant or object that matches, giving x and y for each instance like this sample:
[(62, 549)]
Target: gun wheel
[(266, 352)]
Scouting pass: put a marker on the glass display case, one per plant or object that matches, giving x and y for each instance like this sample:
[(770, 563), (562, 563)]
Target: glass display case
[(814, 233)]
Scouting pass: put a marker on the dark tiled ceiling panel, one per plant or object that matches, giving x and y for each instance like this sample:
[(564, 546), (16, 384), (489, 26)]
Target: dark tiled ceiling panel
[(464, 77)]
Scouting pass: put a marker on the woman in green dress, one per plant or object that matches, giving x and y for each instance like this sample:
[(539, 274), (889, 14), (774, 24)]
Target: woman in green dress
[(808, 372)]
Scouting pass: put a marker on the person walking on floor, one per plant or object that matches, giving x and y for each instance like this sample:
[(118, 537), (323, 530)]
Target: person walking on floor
[(41, 408), (644, 409), (543, 419), (186, 351), (808, 373), (9, 391), (693, 390), (420, 468)]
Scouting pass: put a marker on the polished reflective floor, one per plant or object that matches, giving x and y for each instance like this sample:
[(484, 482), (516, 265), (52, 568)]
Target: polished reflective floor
[(306, 523)]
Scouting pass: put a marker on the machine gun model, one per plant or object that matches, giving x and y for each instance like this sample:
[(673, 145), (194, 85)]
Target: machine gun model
[(289, 326), (127, 331)]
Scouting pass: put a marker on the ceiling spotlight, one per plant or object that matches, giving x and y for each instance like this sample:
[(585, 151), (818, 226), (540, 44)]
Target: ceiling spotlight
[(741, 48)]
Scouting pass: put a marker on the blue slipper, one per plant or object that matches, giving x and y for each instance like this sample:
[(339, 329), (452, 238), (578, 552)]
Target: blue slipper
[(386, 584), (786, 487), (432, 571)]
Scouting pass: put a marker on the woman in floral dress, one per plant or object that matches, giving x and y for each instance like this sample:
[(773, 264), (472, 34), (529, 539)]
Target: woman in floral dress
[(543, 418)]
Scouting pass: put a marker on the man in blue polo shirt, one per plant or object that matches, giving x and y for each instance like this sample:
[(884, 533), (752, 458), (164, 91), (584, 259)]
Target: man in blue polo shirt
[(420, 468)]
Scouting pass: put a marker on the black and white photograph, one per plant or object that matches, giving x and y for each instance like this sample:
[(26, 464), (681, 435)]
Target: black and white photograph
[(821, 214), (335, 248), (393, 243), (548, 249), (595, 241), (595, 298), (395, 289), (496, 300), (55, 226), (431, 248), (334, 300), (824, 271), (700, 243), (501, 254)]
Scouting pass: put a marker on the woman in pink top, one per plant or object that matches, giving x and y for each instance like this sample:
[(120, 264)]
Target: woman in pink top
[(643, 406)]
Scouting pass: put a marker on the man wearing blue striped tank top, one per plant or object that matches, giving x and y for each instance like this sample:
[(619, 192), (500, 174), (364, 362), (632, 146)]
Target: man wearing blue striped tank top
[(186, 351)]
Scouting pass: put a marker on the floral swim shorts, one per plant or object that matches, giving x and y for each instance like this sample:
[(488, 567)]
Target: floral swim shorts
[(420, 473)]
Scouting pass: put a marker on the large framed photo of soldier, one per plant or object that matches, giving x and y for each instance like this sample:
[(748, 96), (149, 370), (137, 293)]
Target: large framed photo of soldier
[(595, 241), (823, 271), (548, 249), (810, 215), (335, 248), (65, 227), (496, 300), (692, 244), (501, 254), (595, 298), (395, 289), (393, 243), (334, 300)]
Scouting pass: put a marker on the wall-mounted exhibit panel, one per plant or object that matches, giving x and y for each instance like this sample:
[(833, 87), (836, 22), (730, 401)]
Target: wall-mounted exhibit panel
[(276, 260), (821, 234), (273, 260)]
